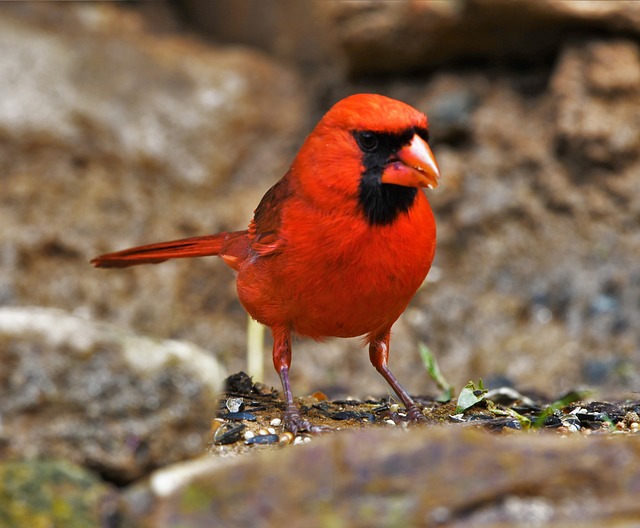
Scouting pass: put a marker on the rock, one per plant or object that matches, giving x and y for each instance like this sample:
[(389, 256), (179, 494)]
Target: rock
[(536, 211), (114, 136), (536, 253), (429, 477), (98, 396), (405, 36), (290, 30), (109, 89), (54, 493), (597, 88)]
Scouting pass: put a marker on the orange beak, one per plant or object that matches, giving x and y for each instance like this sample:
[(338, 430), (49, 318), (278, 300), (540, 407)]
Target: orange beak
[(413, 166)]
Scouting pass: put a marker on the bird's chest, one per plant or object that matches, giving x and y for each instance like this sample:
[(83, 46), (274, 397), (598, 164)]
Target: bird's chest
[(355, 278)]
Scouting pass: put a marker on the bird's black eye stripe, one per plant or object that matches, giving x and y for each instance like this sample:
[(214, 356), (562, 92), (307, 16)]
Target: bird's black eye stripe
[(367, 141), (423, 133), (382, 203)]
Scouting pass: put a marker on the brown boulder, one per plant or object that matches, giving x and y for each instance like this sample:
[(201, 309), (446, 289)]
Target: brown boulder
[(444, 476), (407, 36), (113, 136), (100, 397)]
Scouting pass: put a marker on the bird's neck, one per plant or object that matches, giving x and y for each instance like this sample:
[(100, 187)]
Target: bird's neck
[(382, 204)]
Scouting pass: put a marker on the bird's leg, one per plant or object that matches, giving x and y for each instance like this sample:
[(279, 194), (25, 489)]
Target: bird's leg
[(293, 420), (379, 354)]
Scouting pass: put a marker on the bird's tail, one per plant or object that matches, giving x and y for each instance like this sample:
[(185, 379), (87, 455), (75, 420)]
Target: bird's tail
[(200, 246)]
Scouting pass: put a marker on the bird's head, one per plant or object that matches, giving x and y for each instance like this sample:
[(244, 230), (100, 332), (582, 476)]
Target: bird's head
[(371, 150)]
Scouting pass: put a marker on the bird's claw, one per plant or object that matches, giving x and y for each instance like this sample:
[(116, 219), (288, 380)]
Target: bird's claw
[(295, 423), (414, 415)]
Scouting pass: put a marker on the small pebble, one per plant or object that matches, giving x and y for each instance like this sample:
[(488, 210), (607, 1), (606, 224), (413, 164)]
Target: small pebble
[(271, 430), (250, 417), (276, 422), (319, 396), (569, 427), (633, 416), (263, 432), (234, 405), (249, 434), (263, 439), (286, 438), (634, 426), (298, 440), (390, 422), (228, 433)]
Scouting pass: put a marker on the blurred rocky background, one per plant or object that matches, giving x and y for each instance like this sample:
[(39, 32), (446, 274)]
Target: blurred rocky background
[(132, 122)]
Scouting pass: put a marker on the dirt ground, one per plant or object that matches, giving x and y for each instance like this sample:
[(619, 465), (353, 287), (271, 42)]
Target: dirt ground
[(250, 415)]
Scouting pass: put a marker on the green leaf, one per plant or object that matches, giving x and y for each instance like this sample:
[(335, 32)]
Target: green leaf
[(525, 423), (431, 365), (559, 404), (470, 395)]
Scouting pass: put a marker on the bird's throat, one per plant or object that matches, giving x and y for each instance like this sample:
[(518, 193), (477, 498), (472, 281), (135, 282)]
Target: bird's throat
[(382, 203)]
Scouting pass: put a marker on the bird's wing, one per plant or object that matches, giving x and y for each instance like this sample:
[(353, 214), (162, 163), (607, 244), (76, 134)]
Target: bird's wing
[(264, 229)]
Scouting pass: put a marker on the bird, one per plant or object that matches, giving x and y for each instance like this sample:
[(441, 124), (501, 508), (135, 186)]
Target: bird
[(339, 245)]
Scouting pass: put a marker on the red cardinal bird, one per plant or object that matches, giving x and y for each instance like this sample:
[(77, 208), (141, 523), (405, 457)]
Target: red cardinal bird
[(339, 245)]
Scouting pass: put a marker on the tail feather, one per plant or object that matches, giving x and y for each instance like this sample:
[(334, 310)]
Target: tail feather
[(200, 246)]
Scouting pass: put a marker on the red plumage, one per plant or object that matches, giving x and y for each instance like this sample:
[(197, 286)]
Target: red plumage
[(340, 244)]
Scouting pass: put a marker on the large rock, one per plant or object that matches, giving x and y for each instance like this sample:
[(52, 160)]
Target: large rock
[(536, 277), (536, 211), (537, 223), (405, 36), (443, 476), (54, 493), (113, 136), (101, 397), (597, 89)]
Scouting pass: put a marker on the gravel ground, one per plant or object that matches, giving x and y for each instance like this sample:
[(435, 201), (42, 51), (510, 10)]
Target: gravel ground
[(250, 413)]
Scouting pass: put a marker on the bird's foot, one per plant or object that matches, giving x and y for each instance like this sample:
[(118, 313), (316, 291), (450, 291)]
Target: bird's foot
[(295, 423), (415, 415)]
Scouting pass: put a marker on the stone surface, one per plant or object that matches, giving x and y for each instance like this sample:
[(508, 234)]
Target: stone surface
[(432, 477), (536, 216), (597, 91), (395, 37), (112, 136), (535, 278), (54, 493), (292, 31), (115, 131), (535, 281), (110, 400)]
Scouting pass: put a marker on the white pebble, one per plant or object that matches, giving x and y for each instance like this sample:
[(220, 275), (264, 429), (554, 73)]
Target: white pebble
[(276, 422), (248, 434), (234, 404)]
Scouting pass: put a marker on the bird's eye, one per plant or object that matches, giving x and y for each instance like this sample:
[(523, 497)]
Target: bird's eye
[(367, 141)]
